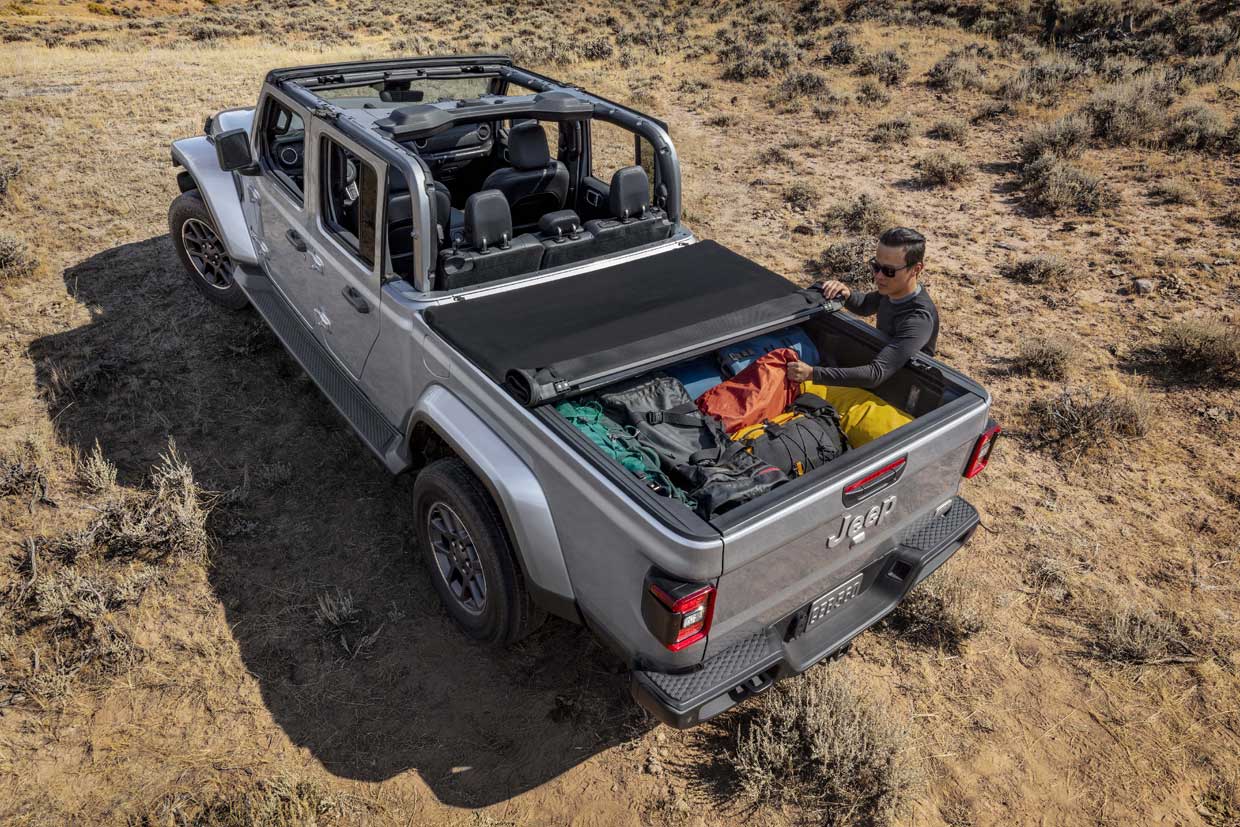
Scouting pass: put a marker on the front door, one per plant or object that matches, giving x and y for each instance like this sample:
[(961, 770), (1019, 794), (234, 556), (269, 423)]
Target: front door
[(344, 242), (275, 202)]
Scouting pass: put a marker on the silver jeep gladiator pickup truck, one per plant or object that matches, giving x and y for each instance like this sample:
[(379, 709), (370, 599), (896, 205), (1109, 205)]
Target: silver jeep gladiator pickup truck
[(456, 248)]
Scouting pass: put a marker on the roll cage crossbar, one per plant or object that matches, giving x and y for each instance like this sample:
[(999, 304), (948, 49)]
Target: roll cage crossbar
[(552, 101)]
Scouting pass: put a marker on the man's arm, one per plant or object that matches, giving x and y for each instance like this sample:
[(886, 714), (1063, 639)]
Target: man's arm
[(911, 336), (862, 304)]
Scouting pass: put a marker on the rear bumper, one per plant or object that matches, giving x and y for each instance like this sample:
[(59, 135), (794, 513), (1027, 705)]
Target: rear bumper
[(754, 665)]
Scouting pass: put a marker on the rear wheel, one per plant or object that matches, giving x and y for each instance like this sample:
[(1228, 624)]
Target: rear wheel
[(464, 544), (202, 251)]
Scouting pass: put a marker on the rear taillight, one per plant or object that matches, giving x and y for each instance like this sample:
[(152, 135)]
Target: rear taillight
[(981, 451), (678, 614)]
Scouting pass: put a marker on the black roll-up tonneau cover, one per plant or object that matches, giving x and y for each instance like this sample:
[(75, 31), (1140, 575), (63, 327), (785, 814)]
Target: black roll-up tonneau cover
[(546, 340)]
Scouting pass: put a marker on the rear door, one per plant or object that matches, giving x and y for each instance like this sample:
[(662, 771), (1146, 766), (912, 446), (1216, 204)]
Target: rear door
[(344, 242)]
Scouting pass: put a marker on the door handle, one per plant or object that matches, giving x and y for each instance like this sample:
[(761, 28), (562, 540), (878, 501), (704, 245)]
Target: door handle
[(355, 298), (293, 237)]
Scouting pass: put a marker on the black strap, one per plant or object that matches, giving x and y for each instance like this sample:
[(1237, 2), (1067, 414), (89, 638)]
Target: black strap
[(683, 416)]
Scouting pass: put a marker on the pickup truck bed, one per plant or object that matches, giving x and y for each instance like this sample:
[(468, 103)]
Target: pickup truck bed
[(560, 339)]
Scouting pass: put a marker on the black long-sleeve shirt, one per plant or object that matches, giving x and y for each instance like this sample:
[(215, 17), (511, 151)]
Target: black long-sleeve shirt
[(912, 323)]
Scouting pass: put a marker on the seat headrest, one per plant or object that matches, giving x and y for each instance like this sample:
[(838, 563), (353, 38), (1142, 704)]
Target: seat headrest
[(488, 221), (400, 207), (527, 146), (560, 222), (629, 195)]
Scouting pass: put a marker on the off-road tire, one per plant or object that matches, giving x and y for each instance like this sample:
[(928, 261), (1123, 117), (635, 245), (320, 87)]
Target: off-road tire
[(507, 613), (189, 221)]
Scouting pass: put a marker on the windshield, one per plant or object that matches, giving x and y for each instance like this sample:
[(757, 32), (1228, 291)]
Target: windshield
[(418, 90)]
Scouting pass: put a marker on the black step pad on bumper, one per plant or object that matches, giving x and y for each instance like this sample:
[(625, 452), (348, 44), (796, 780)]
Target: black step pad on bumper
[(751, 666)]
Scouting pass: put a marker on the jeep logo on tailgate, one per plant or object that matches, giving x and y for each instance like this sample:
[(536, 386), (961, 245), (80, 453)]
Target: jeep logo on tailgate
[(853, 527)]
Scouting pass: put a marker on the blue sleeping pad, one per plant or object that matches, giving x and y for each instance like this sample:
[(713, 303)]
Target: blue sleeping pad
[(735, 358), (697, 375)]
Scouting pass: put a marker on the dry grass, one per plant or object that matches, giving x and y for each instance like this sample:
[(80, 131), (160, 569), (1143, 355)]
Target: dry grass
[(1044, 357), (273, 802), (1079, 421), (944, 169), (1203, 351), (1124, 634), (1173, 191), (825, 745), (23, 475), (801, 197), (943, 611), (16, 261), (8, 174)]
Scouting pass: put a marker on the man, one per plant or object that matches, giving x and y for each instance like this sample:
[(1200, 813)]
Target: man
[(905, 313)]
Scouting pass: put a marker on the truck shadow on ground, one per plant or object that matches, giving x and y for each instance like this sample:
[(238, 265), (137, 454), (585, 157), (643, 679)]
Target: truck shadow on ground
[(329, 609)]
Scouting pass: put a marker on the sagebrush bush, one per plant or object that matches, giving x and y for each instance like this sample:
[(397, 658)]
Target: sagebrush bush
[(1198, 127), (23, 475), (1064, 138), (944, 169), (827, 746), (1048, 270), (801, 197), (892, 131), (958, 70), (949, 129), (888, 66), (96, 473), (842, 51), (1043, 356), (864, 215), (1053, 186), (1203, 351), (1078, 422), (871, 92), (846, 261), (748, 67), (798, 87), (16, 262), (943, 611), (773, 155), (1133, 111), (1043, 82), (8, 174)]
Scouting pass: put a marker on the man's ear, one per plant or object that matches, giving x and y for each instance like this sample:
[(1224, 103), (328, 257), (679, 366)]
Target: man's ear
[(917, 268)]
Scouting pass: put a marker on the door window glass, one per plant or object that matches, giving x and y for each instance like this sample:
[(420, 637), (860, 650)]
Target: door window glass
[(283, 139), (350, 188)]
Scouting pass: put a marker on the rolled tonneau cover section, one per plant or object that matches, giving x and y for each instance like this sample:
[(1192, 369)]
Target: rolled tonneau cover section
[(545, 341)]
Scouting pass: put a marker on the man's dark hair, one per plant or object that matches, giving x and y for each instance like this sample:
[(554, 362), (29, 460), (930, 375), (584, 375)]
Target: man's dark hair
[(913, 242)]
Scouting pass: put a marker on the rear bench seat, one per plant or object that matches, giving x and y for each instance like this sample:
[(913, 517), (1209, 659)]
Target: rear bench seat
[(563, 239), (634, 222), (487, 251)]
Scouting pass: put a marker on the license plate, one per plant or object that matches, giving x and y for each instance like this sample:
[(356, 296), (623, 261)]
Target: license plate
[(829, 603)]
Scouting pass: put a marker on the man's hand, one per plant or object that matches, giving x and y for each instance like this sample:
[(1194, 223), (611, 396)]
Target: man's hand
[(836, 290), (799, 372)]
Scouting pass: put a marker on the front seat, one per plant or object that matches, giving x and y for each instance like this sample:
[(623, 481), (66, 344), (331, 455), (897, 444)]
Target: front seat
[(534, 184)]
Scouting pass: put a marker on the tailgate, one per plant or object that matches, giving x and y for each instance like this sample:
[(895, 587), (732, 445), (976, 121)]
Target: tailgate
[(809, 542)]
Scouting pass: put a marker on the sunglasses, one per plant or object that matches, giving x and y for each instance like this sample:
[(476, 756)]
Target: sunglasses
[(889, 272)]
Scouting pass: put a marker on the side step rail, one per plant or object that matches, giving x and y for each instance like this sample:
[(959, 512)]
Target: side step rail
[(371, 425)]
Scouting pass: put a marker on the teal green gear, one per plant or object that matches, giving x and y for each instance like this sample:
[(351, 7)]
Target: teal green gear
[(622, 445)]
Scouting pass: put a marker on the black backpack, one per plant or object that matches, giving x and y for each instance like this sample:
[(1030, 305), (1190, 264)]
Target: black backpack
[(811, 436)]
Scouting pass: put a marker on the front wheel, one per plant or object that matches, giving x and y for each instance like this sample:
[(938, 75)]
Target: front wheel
[(202, 251), (462, 539)]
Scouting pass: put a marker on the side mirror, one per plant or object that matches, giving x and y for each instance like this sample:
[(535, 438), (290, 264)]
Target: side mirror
[(232, 149)]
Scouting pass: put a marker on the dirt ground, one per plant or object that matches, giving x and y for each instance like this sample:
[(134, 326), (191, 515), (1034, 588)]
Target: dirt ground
[(229, 680)]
